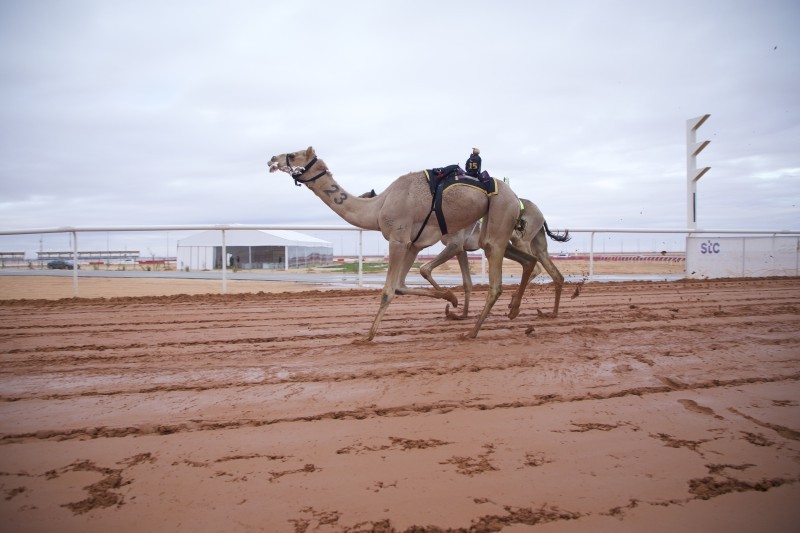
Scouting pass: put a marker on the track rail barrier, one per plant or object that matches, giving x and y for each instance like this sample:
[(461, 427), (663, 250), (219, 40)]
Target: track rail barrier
[(75, 231)]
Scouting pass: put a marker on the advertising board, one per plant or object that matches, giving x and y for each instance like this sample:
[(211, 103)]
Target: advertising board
[(742, 257)]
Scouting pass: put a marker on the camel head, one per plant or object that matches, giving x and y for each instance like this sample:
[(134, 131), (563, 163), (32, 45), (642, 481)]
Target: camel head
[(294, 163)]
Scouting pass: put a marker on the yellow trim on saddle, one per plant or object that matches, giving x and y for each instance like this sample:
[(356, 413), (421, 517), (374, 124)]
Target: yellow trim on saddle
[(463, 184)]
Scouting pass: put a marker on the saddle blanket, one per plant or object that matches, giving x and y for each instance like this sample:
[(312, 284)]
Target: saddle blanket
[(452, 175), (442, 178)]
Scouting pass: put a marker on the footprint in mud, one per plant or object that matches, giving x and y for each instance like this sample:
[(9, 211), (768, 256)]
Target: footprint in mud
[(535, 459), (137, 459), (396, 443), (471, 466), (313, 519), (693, 406), (16, 491), (758, 439), (596, 426), (307, 469), (720, 469), (672, 442), (380, 485), (101, 493), (711, 486)]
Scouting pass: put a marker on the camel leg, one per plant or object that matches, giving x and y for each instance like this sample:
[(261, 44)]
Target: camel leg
[(466, 278), (426, 271), (494, 257), (444, 294), (401, 288), (496, 232), (539, 245), (528, 263), (401, 258)]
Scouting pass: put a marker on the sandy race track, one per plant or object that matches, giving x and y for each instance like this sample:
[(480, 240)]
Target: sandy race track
[(642, 407)]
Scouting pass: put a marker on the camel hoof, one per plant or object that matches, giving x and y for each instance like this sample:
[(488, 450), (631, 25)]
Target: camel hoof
[(454, 316), (450, 297), (514, 313)]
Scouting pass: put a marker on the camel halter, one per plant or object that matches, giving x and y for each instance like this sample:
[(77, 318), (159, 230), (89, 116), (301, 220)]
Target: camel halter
[(297, 172)]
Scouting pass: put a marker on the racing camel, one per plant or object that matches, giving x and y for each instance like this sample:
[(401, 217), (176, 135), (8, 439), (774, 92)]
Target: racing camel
[(401, 213), (531, 238)]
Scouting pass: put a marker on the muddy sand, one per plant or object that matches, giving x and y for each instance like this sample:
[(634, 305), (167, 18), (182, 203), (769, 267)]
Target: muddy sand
[(642, 407)]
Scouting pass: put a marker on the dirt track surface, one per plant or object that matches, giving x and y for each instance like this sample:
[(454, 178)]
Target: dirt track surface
[(643, 406)]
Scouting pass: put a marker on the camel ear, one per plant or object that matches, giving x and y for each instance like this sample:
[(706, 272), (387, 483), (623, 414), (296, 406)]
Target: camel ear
[(310, 152)]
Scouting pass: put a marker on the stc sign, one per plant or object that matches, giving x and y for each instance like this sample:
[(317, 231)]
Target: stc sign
[(737, 257)]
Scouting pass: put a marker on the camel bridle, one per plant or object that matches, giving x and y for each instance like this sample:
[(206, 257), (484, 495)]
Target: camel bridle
[(297, 172)]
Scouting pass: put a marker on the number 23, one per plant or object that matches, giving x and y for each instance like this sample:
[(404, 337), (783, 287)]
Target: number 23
[(333, 190)]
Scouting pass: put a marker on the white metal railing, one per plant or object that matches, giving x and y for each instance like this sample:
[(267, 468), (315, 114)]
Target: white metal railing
[(687, 232), (74, 231)]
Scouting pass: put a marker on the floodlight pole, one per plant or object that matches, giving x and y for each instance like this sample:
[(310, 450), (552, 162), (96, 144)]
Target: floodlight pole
[(693, 174)]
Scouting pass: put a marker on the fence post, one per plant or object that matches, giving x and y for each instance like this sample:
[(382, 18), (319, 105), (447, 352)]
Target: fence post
[(591, 254), (224, 265), (74, 264)]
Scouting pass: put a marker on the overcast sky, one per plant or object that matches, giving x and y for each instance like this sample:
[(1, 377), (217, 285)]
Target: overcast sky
[(167, 112)]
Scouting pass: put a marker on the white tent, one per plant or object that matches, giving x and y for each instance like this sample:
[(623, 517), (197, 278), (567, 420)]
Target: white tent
[(252, 249)]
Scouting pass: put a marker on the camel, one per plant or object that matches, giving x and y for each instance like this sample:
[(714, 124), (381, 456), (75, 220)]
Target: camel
[(400, 212), (531, 238)]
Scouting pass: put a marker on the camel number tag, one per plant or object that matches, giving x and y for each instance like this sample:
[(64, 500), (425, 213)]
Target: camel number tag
[(333, 190)]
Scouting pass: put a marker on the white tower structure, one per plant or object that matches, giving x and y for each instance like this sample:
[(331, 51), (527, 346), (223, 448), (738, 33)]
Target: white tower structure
[(693, 174)]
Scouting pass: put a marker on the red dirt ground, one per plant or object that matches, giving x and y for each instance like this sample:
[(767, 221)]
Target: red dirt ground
[(643, 406)]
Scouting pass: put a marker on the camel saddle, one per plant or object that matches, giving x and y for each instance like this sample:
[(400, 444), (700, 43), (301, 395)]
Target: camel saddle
[(442, 178)]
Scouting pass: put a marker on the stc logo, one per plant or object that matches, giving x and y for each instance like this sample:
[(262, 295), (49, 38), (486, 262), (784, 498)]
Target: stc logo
[(709, 247)]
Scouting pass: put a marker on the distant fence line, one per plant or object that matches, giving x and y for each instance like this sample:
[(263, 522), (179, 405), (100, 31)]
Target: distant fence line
[(74, 231), (606, 257)]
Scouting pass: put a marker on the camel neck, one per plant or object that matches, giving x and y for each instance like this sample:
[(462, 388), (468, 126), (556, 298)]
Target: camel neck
[(360, 212)]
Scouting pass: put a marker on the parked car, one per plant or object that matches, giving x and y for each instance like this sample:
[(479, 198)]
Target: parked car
[(58, 264)]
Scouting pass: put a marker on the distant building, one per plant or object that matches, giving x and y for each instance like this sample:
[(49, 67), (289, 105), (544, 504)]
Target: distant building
[(9, 259), (253, 249), (106, 256)]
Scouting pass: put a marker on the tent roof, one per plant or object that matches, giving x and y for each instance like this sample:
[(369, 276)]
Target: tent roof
[(252, 237)]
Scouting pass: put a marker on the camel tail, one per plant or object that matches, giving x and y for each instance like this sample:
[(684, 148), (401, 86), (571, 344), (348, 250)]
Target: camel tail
[(560, 237)]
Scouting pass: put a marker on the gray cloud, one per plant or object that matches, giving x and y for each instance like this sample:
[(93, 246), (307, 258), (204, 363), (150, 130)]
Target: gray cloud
[(128, 113)]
